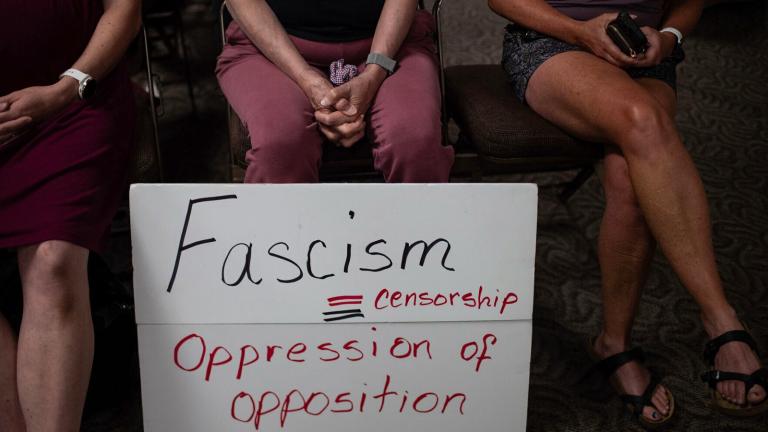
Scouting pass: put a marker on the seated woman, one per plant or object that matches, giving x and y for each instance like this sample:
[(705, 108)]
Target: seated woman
[(274, 73), (66, 130), (563, 64)]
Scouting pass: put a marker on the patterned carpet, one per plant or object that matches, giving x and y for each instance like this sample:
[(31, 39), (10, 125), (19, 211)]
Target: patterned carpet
[(723, 117)]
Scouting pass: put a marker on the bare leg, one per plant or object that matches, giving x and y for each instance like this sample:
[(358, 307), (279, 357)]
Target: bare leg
[(56, 337), (625, 249), (594, 100), (11, 419)]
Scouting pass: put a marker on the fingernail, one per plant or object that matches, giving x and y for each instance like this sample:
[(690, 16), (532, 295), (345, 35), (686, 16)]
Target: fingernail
[(324, 102)]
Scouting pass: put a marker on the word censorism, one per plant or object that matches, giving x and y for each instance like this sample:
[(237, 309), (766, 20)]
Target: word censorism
[(193, 355), (237, 265)]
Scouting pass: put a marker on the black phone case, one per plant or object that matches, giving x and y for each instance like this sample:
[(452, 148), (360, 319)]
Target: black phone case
[(626, 34)]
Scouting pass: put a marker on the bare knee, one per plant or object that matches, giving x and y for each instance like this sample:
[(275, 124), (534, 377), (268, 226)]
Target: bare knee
[(55, 279), (643, 129)]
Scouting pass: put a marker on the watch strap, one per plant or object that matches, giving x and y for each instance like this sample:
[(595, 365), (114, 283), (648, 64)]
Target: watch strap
[(380, 59), (678, 34), (81, 78), (76, 74)]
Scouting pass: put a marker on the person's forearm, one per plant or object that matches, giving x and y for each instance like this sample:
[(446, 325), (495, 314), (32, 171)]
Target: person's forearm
[(262, 27), (114, 32), (393, 26), (683, 15), (540, 16)]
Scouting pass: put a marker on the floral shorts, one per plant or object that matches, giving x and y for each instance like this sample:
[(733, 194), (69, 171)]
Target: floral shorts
[(525, 50)]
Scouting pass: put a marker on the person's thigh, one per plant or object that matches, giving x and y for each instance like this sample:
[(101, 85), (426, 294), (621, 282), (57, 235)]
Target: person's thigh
[(261, 93), (590, 98), (286, 145)]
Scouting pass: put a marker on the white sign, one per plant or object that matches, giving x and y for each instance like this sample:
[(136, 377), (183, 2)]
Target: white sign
[(334, 307)]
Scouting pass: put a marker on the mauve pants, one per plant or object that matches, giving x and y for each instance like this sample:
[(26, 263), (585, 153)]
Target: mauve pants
[(286, 145)]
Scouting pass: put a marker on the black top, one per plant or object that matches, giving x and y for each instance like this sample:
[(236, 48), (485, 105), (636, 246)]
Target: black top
[(328, 20)]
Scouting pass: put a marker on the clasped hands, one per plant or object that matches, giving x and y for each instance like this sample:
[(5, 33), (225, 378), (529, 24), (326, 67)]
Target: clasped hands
[(340, 111)]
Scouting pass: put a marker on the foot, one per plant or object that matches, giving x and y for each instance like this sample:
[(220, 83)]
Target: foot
[(734, 357), (633, 378)]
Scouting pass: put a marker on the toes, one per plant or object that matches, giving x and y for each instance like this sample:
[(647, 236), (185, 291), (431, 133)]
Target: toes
[(660, 401), (739, 392), (722, 388), (756, 395), (732, 391), (651, 413)]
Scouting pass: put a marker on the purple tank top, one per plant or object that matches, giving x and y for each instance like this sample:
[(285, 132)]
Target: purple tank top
[(649, 12)]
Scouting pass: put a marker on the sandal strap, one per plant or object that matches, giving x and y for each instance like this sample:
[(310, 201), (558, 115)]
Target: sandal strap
[(644, 400), (608, 365), (759, 377), (714, 345)]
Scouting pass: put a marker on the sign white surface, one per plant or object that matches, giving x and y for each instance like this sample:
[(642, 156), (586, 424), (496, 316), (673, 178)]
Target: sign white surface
[(334, 307)]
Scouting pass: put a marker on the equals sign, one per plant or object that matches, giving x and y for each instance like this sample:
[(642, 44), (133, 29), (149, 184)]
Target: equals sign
[(345, 300), (346, 313)]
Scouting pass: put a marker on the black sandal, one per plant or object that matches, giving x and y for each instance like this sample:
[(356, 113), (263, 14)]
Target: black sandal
[(713, 376), (635, 403)]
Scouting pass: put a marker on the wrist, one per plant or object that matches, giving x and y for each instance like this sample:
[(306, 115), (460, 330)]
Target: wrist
[(375, 73), (668, 43), (578, 33), (309, 78), (66, 89)]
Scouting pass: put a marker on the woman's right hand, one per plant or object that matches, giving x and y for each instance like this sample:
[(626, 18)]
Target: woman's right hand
[(594, 38), (337, 127), (33, 105), (315, 85)]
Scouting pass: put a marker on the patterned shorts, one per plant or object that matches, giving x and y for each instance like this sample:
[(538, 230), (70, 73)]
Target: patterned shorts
[(525, 50)]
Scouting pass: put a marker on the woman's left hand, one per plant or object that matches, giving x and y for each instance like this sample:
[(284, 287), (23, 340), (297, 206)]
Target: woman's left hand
[(34, 104), (660, 46)]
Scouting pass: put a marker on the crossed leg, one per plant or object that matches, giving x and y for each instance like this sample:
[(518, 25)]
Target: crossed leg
[(653, 191)]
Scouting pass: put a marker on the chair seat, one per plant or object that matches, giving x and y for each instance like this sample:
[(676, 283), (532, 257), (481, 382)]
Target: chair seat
[(482, 103)]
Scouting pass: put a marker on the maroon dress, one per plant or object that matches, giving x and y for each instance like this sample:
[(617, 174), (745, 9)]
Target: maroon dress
[(61, 179)]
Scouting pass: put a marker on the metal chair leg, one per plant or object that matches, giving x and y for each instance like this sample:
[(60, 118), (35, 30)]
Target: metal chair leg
[(151, 89), (185, 59)]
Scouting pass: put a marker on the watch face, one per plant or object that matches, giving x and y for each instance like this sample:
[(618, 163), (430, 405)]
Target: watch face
[(88, 89)]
